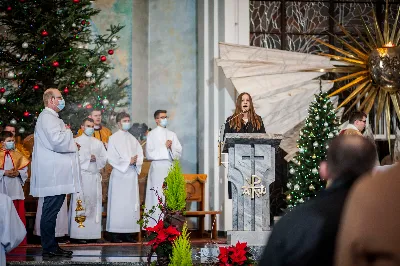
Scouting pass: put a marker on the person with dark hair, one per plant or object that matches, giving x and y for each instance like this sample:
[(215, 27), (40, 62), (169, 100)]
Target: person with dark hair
[(357, 123), (18, 142), (100, 132), (244, 119), (162, 148), (125, 154), (307, 234), (92, 158), (13, 173)]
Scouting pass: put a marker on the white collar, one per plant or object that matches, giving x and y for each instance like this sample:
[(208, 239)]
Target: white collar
[(51, 111), (351, 126)]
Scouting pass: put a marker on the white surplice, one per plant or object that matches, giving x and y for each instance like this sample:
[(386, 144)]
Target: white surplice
[(123, 208), (161, 157), (12, 230), (91, 189), (55, 162), (61, 222), (12, 186)]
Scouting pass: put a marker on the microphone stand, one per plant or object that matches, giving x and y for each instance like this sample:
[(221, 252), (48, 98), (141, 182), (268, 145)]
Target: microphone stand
[(221, 143)]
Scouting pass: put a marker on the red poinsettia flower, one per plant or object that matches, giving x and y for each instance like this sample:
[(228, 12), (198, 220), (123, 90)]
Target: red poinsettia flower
[(158, 227), (238, 257), (223, 255), (241, 246), (172, 233)]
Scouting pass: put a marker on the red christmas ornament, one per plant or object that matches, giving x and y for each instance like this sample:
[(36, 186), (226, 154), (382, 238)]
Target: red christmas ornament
[(2, 90), (79, 105), (36, 87), (26, 113), (89, 106), (75, 1), (83, 22), (45, 33), (110, 52), (103, 58), (66, 90), (56, 64), (87, 22), (9, 8)]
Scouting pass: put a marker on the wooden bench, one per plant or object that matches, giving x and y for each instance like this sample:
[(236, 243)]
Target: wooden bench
[(195, 191)]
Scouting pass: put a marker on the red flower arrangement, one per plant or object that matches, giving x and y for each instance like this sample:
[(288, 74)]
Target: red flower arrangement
[(161, 235), (235, 255)]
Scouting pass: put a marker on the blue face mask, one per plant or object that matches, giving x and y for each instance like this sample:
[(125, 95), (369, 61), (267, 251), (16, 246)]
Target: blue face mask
[(126, 126), (89, 131), (164, 122), (61, 104), (10, 145)]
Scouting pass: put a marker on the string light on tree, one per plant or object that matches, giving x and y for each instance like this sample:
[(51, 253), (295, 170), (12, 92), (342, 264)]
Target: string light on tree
[(312, 144)]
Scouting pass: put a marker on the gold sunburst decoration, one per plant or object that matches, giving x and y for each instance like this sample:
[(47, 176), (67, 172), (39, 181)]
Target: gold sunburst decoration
[(372, 64)]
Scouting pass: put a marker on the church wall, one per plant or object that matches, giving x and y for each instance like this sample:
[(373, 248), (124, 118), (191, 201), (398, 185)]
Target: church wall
[(173, 72), (140, 61)]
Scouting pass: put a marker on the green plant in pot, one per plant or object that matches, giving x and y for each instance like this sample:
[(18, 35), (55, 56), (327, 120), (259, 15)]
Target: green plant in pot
[(175, 196)]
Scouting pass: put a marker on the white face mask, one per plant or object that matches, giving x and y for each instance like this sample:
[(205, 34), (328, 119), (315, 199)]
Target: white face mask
[(126, 126), (164, 122), (89, 131)]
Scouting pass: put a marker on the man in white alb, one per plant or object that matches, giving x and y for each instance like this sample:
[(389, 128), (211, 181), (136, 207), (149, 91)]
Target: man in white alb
[(92, 157), (55, 168), (12, 230), (162, 148), (125, 155)]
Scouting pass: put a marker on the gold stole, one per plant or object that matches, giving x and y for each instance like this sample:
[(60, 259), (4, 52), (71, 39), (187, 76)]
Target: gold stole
[(18, 160)]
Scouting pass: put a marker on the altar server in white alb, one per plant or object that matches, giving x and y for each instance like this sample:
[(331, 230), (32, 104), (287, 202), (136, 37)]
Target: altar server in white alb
[(12, 230), (162, 148), (92, 157), (55, 168), (125, 154)]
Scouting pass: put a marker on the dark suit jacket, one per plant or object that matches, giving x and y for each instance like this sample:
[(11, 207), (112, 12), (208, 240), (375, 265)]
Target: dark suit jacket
[(306, 235)]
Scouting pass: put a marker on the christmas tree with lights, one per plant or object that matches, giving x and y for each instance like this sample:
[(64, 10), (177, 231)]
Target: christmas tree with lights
[(320, 126), (50, 44)]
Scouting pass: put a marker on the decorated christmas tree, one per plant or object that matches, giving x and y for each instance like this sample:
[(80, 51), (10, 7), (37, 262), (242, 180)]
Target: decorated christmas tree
[(49, 44), (320, 126)]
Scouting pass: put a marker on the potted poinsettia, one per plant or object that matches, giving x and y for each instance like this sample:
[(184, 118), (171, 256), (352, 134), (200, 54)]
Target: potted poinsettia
[(235, 255), (170, 222), (160, 238)]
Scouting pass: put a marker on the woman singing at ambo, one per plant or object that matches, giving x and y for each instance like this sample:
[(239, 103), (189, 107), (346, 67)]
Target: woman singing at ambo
[(244, 120)]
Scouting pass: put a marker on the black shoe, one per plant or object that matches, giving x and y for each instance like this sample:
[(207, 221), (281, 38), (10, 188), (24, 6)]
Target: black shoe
[(49, 254), (115, 239), (129, 238), (79, 241), (60, 250)]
